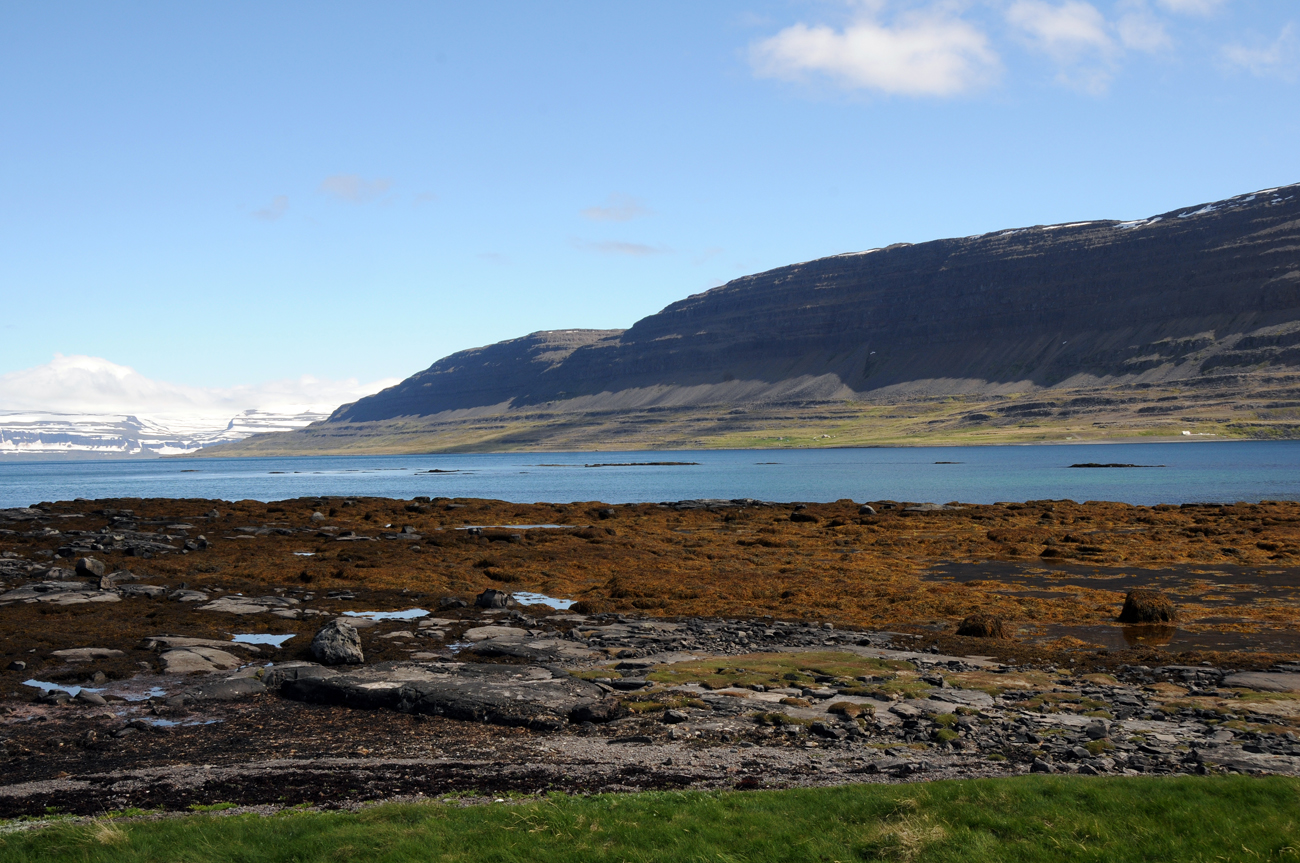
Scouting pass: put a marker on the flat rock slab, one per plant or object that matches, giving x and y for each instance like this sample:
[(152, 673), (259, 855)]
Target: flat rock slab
[(534, 650), (967, 697), (1264, 681), (188, 660), (524, 695), (86, 654), (167, 641), (480, 633), (247, 604), (60, 593), (150, 590), (229, 689)]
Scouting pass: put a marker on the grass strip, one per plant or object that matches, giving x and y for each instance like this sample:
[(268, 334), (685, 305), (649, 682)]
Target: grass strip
[(1056, 818)]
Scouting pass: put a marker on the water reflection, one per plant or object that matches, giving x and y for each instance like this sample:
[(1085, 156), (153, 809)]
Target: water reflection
[(1148, 634)]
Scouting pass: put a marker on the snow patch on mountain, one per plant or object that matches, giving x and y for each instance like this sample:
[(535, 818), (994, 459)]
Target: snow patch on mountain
[(78, 405)]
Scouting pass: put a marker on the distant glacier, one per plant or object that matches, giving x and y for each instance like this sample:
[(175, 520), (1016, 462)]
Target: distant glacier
[(45, 434)]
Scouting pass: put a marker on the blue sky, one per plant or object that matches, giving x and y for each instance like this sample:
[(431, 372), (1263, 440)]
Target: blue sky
[(227, 194)]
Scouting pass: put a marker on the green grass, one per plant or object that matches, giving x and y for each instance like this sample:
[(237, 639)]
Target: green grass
[(1048, 818)]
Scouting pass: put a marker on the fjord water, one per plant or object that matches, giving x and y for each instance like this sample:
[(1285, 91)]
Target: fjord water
[(1187, 472)]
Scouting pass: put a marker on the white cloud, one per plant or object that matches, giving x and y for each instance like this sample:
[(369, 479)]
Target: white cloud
[(82, 384), (1191, 7), (279, 204), (920, 53), (354, 190), (617, 208), (1142, 31), (1277, 59), (1067, 33), (1086, 48)]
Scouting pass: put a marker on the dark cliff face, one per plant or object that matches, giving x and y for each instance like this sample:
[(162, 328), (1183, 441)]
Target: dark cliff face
[(1175, 296), (479, 377)]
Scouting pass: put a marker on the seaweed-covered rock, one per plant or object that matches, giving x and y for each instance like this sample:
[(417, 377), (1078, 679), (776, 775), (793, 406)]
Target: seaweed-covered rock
[(337, 643), (982, 626), (1147, 606)]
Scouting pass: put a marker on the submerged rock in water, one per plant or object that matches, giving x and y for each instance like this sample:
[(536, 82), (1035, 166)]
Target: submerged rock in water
[(337, 643)]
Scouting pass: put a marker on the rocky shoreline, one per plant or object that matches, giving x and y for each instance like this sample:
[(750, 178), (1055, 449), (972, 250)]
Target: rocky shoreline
[(134, 689), (433, 726)]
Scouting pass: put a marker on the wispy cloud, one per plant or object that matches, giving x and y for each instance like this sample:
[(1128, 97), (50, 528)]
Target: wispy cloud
[(617, 208), (277, 208), (619, 247), (1279, 58), (424, 198), (1086, 48), (353, 189), (494, 257), (1191, 7), (930, 52), (1139, 29), (1066, 33)]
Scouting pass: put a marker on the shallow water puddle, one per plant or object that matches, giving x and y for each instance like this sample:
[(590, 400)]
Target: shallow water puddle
[(524, 597), (151, 692), (408, 614), (520, 527), (304, 554), (46, 686), (261, 638)]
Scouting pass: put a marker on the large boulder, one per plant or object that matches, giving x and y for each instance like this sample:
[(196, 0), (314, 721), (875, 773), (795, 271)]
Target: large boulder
[(494, 599), (88, 567), (337, 643), (1147, 606)]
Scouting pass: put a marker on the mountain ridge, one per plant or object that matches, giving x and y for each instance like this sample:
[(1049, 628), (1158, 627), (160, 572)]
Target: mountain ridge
[(1192, 295)]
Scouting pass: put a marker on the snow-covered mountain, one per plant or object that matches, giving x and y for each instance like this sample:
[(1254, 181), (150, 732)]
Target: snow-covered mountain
[(29, 433), (91, 406)]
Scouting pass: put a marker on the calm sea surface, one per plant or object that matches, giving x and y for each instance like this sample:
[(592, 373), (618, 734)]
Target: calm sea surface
[(1200, 472)]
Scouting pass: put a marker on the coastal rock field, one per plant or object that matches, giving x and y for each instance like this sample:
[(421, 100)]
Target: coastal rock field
[(167, 653)]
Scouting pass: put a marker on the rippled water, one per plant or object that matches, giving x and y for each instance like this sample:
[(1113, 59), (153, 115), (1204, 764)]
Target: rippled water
[(1192, 471)]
